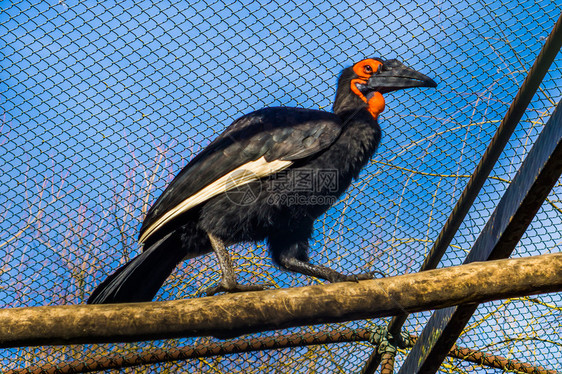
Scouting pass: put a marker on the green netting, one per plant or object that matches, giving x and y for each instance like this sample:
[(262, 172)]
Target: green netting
[(103, 102)]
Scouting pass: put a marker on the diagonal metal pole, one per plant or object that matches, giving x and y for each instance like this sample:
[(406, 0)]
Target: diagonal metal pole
[(514, 114), (518, 206)]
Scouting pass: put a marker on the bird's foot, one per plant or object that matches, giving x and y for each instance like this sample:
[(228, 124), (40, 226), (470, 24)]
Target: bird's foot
[(358, 277), (210, 291)]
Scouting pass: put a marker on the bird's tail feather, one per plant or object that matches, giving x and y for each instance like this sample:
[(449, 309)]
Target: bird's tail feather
[(141, 278)]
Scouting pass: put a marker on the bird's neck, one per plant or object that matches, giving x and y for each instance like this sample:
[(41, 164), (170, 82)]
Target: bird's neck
[(357, 143), (374, 100), (361, 133), (346, 106)]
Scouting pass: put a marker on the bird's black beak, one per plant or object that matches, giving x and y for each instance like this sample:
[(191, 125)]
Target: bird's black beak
[(393, 75)]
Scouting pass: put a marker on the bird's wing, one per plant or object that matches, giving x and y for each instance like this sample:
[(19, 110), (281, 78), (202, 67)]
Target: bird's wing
[(259, 144)]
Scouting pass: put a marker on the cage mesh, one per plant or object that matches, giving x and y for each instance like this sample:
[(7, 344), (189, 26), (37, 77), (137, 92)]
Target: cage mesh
[(102, 103)]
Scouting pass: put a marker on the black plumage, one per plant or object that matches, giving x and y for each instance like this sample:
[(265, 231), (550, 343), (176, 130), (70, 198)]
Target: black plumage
[(253, 157)]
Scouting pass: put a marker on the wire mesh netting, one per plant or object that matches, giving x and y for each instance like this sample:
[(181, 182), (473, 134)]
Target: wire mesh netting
[(103, 103)]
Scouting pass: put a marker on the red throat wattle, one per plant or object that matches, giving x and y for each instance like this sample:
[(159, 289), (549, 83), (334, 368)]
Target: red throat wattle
[(375, 104)]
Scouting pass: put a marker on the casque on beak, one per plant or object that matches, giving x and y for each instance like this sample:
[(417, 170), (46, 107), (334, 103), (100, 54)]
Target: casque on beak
[(393, 75)]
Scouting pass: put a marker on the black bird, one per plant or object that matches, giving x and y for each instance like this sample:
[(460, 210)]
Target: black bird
[(268, 176)]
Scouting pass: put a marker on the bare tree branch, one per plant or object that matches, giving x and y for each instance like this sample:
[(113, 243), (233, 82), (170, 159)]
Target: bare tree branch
[(243, 313)]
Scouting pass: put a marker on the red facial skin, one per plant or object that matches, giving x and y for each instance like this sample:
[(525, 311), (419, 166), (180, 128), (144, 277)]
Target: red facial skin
[(364, 69)]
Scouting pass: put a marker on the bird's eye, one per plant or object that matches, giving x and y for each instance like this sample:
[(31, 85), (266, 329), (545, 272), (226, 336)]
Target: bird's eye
[(368, 69)]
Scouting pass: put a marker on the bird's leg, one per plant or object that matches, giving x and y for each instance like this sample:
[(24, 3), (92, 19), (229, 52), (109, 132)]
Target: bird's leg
[(293, 264), (228, 280)]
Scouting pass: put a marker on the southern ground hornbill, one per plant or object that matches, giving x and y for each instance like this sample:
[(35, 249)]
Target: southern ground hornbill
[(268, 176)]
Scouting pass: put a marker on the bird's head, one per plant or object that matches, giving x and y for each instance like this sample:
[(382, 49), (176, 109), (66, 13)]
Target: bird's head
[(363, 84)]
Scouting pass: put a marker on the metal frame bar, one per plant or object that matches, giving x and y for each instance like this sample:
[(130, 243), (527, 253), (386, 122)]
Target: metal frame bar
[(509, 221), (511, 119)]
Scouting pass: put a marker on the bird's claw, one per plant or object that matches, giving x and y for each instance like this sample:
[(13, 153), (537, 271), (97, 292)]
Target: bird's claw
[(210, 291)]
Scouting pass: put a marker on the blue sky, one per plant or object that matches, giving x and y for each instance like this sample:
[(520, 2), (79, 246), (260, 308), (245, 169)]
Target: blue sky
[(103, 102)]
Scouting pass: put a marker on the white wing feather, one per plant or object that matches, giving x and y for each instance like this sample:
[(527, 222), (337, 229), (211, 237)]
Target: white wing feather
[(240, 176)]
